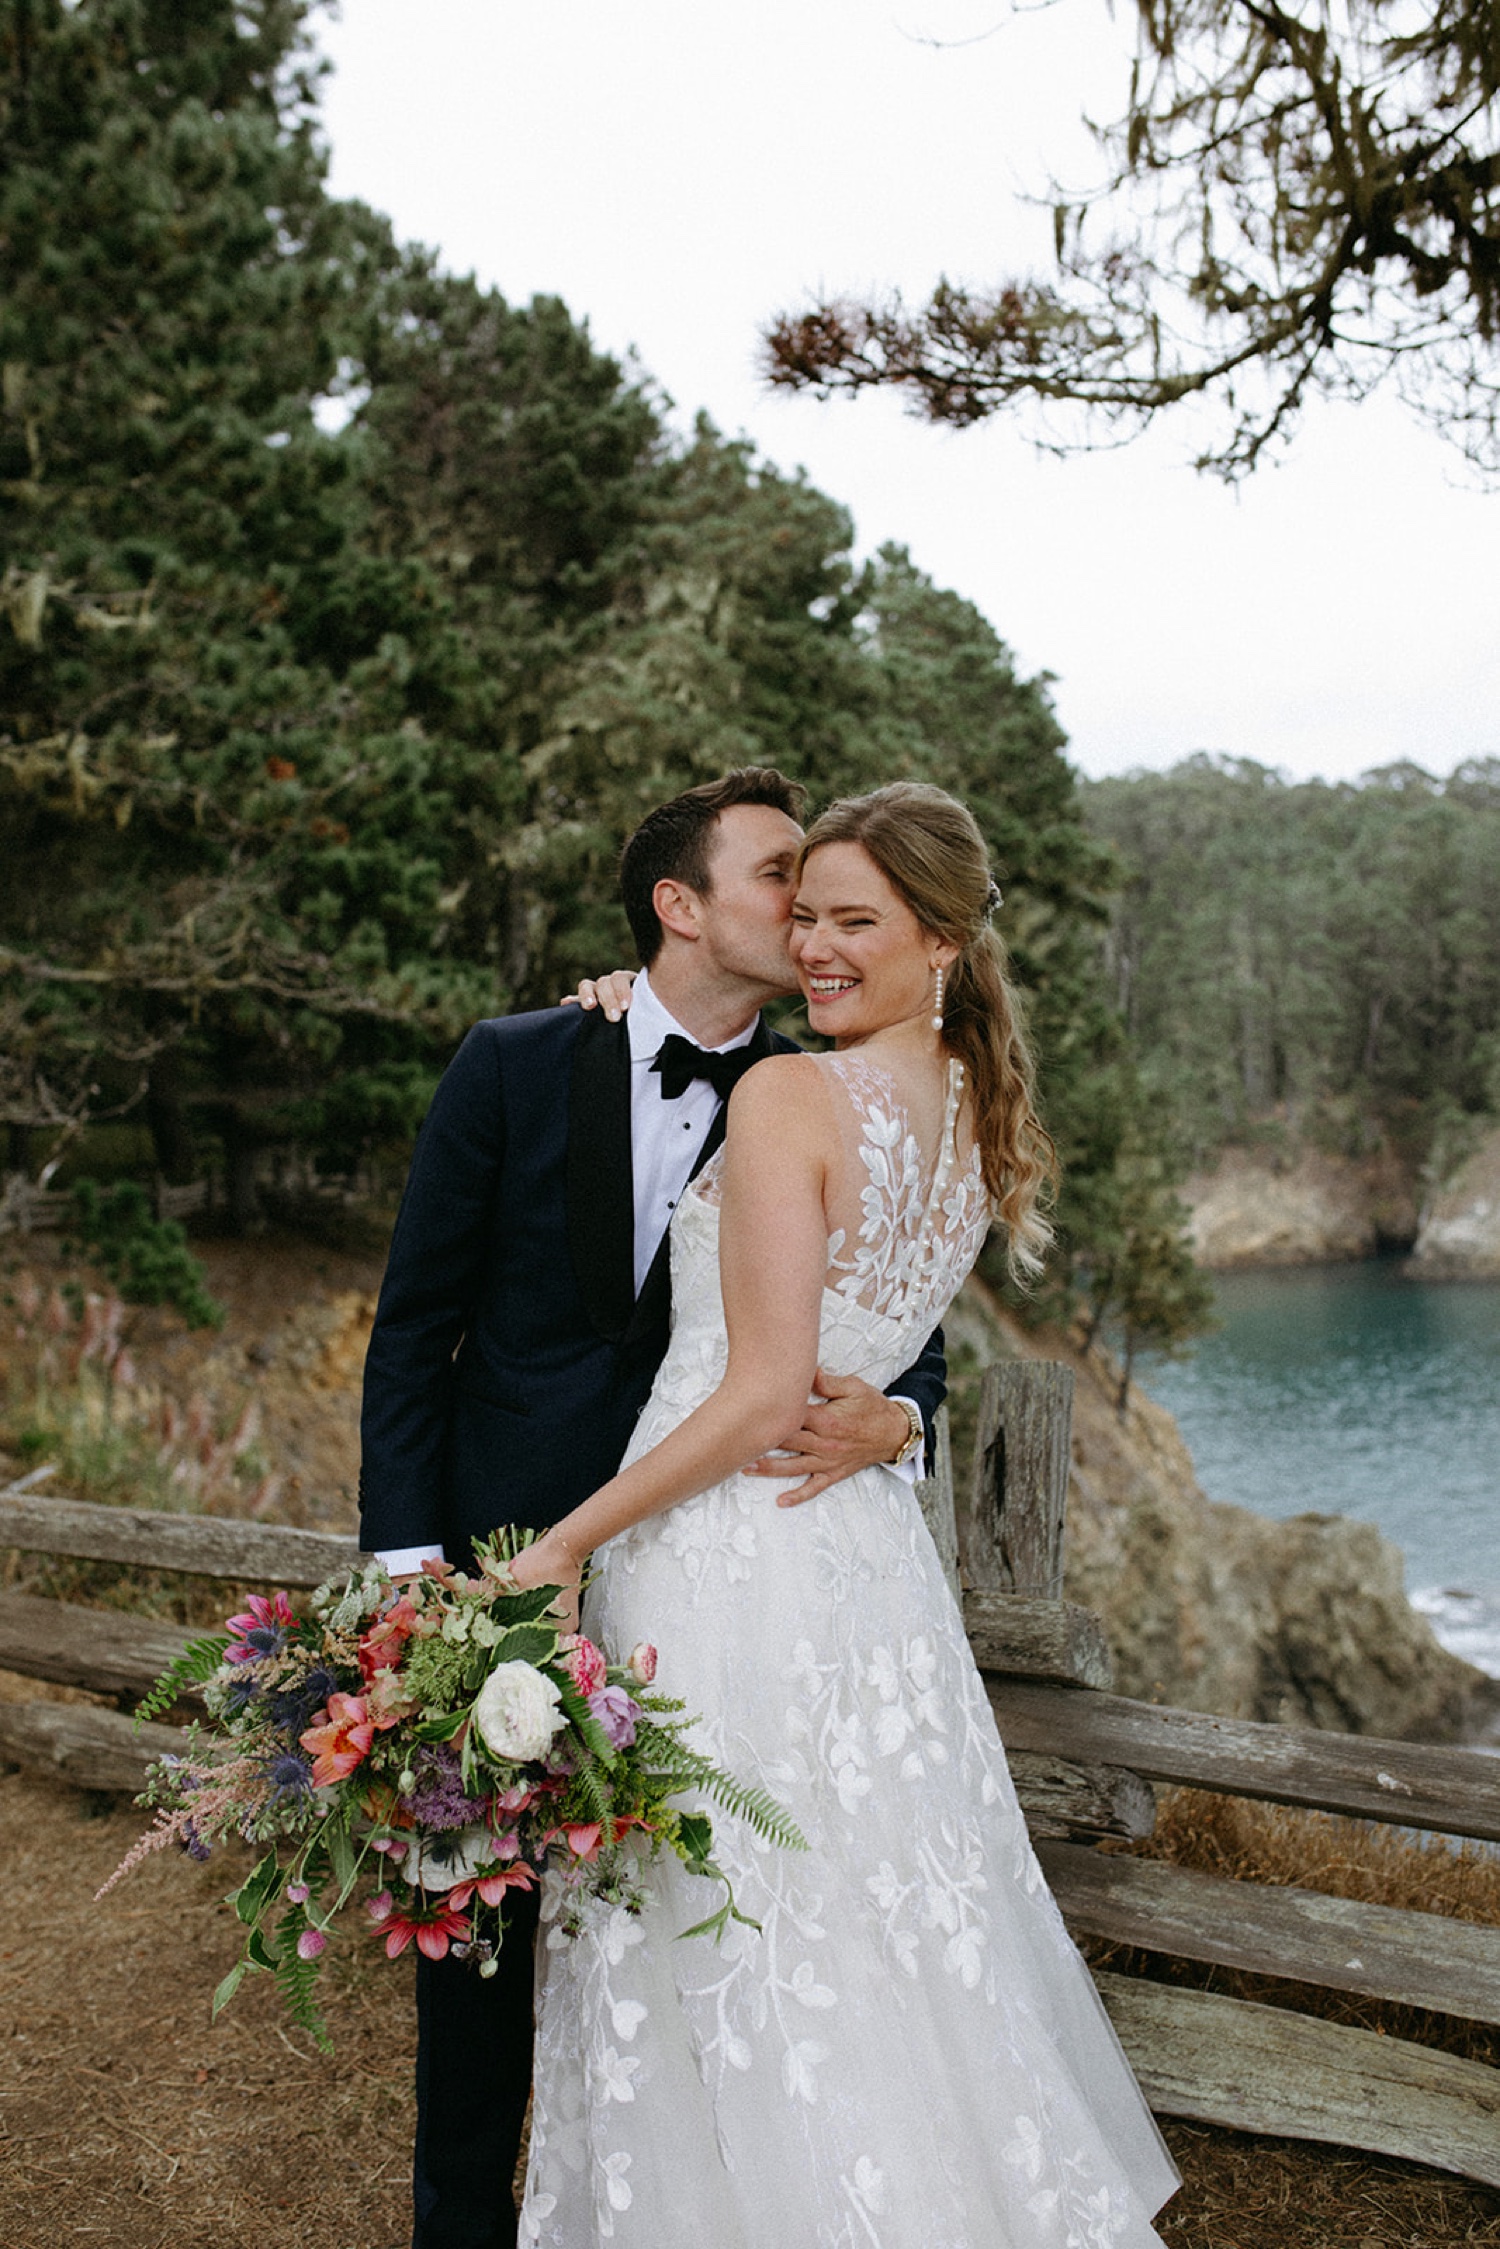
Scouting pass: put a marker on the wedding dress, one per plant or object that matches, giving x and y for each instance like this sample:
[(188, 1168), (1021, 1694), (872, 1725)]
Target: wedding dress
[(911, 2053)]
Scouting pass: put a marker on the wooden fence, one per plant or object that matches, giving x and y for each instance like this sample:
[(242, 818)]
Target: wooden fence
[(1084, 1761), (28, 1209)]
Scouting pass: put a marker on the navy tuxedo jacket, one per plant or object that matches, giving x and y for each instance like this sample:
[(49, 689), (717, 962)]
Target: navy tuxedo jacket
[(510, 1355)]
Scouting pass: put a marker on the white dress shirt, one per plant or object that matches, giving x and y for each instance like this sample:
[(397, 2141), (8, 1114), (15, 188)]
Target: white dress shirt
[(665, 1140), (666, 1137)]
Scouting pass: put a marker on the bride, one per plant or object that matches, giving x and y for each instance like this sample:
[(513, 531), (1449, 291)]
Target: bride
[(910, 2054)]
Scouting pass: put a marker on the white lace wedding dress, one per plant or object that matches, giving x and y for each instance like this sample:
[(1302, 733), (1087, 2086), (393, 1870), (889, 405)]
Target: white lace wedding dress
[(911, 2054)]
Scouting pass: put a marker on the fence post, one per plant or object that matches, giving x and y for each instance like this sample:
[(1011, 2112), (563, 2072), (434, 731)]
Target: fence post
[(1010, 1531), (936, 1495)]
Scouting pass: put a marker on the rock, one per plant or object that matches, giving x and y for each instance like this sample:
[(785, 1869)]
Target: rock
[(1314, 1209), (1460, 1231), (1215, 1608)]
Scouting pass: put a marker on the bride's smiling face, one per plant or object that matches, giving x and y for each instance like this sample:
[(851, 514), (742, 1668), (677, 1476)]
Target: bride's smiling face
[(862, 958)]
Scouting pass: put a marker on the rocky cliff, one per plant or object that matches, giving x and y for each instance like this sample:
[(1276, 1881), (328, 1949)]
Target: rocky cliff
[(1312, 1209), (1302, 1622), (1459, 1237)]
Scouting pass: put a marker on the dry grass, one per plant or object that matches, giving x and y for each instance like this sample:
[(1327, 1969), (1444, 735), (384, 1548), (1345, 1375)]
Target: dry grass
[(1346, 1858), (128, 2118)]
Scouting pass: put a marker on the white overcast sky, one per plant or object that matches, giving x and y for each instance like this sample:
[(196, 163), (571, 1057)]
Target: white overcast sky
[(678, 170)]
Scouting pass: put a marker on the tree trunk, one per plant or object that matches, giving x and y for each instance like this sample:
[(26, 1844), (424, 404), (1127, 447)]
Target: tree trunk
[(242, 1203), (171, 1134)]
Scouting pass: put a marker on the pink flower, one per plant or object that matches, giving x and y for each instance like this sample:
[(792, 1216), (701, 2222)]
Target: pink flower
[(262, 1628), (382, 1646), (343, 1743), (583, 1842), (492, 1887), (311, 1943), (643, 1662), (585, 1666), (297, 1893), (381, 1908), (435, 1928), (387, 1701)]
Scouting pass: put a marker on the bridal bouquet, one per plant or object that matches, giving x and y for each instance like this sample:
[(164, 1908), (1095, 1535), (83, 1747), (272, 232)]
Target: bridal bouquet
[(438, 1745)]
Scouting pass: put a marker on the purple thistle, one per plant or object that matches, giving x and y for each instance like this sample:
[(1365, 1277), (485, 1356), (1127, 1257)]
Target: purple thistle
[(294, 1708), (192, 1842), (290, 1776)]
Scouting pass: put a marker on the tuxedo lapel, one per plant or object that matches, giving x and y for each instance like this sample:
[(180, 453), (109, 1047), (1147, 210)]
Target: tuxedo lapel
[(653, 1306), (601, 1201)]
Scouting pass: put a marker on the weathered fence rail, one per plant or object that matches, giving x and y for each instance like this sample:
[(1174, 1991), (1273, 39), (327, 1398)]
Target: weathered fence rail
[(26, 1208), (1084, 1761)]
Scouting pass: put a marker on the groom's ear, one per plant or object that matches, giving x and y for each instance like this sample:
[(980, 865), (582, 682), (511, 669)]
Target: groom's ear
[(678, 907)]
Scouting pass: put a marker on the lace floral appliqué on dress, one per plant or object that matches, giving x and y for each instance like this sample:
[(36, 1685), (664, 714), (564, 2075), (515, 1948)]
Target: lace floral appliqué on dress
[(910, 2054)]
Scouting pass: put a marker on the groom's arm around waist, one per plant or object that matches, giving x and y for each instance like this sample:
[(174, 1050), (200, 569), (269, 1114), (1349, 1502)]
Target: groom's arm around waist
[(926, 1384), (431, 1283)]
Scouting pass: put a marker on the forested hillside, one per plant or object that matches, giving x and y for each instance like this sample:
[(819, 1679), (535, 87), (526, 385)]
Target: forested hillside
[(351, 618), (1312, 962)]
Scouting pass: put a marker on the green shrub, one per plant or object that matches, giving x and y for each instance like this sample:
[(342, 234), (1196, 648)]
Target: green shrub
[(147, 1258)]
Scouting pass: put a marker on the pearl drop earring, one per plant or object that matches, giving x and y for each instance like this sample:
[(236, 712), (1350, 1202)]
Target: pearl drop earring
[(937, 1003)]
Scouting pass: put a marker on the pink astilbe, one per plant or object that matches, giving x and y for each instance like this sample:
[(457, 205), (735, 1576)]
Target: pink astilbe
[(223, 1797)]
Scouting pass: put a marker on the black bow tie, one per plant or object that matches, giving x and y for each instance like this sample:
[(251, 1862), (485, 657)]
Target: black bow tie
[(679, 1062)]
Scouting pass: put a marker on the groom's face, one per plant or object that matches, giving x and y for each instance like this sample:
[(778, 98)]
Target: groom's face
[(745, 915)]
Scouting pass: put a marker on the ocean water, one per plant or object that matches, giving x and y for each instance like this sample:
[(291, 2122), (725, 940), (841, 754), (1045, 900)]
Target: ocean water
[(1351, 1390)]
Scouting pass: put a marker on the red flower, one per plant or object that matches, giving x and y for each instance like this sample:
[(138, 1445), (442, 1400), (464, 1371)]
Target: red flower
[(343, 1743), (492, 1887), (382, 1646), (435, 1927)]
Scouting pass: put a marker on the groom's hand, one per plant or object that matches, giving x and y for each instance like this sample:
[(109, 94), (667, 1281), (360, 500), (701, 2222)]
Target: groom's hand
[(854, 1427)]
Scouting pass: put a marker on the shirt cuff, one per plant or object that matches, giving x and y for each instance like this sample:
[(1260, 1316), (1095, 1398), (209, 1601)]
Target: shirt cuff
[(910, 1471), (398, 1561)]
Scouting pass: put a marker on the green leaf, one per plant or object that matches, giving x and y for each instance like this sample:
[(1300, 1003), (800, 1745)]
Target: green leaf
[(231, 1984), (341, 1856), (524, 1643), (439, 1729), (258, 1953), (696, 1832), (523, 1608), (259, 1887)]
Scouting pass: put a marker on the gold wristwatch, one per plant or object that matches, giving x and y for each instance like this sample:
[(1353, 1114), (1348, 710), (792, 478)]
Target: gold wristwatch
[(916, 1435)]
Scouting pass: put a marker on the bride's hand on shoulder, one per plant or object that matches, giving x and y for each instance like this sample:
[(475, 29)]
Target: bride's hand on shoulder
[(611, 992)]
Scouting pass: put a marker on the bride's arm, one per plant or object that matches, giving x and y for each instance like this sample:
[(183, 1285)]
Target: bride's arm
[(773, 1256)]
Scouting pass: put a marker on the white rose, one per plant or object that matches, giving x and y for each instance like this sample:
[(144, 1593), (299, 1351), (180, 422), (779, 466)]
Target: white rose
[(516, 1712)]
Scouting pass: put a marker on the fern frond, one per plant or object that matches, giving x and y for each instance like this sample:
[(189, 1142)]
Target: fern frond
[(296, 1978), (673, 1759), (756, 1807), (590, 1785), (199, 1660)]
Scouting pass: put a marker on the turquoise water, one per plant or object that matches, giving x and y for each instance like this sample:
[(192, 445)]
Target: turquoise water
[(1351, 1390)]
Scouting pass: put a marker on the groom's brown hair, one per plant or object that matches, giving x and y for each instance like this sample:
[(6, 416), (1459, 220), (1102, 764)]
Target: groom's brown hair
[(675, 842)]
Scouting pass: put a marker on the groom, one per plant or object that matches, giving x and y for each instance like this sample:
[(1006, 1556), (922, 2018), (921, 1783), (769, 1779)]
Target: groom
[(523, 1316)]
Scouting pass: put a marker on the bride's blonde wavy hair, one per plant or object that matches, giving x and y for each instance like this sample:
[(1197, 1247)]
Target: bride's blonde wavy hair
[(929, 848)]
